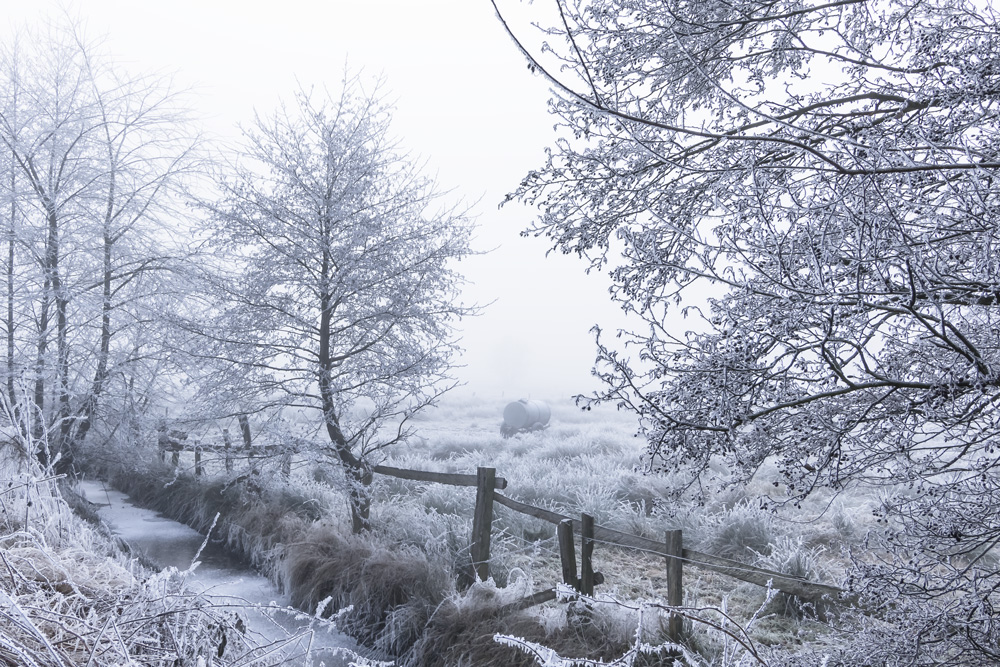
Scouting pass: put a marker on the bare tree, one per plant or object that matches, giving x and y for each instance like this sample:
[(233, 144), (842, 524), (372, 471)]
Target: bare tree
[(344, 287), (95, 160), (819, 181)]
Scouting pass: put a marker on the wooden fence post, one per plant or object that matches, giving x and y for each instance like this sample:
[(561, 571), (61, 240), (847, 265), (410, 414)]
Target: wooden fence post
[(286, 464), (228, 442), (245, 428), (567, 554), (482, 522), (247, 440), (197, 461), (586, 554), (675, 582)]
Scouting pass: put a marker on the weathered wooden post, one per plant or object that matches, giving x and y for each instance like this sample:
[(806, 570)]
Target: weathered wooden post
[(482, 522), (228, 443), (197, 461), (286, 464), (567, 554), (675, 582), (247, 441), (587, 554), (245, 428)]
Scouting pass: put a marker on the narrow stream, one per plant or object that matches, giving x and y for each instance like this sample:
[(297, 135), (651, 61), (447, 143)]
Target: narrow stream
[(167, 543)]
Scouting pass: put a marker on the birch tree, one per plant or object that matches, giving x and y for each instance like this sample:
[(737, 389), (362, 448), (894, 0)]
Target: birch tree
[(815, 185), (345, 288)]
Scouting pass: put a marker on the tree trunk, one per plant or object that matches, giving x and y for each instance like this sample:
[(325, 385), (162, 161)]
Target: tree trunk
[(38, 418), (61, 385), (360, 501), (62, 370), (358, 472), (86, 418), (11, 236)]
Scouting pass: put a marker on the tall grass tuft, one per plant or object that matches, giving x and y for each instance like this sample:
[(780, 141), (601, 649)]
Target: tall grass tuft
[(742, 533), (790, 556), (391, 591)]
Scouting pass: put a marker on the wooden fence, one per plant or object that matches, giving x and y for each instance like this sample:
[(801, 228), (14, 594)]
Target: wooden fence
[(487, 484), (672, 549)]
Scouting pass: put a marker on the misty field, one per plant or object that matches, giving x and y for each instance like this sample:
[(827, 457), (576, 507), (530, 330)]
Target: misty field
[(402, 589), (586, 461), (591, 462)]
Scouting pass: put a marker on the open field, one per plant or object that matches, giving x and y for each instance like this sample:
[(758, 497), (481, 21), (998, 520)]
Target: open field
[(590, 461)]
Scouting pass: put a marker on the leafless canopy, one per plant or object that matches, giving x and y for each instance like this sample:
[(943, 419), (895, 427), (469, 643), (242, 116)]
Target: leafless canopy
[(342, 290), (817, 181)]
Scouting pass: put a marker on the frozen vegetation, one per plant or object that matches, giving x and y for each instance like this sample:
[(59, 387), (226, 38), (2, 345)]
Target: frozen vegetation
[(813, 184), (74, 594), (403, 587)]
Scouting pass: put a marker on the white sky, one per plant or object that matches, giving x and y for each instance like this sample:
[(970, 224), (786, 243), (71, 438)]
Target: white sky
[(465, 102)]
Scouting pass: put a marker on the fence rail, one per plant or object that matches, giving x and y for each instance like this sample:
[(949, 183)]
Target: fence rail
[(754, 575), (454, 479)]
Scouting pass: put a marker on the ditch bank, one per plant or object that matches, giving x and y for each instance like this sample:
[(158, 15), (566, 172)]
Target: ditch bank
[(392, 598), (225, 583)]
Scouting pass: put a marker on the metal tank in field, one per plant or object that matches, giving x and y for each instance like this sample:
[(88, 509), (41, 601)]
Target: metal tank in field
[(523, 416)]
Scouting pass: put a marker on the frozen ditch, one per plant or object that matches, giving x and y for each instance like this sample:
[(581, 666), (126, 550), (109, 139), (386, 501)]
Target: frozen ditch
[(167, 543)]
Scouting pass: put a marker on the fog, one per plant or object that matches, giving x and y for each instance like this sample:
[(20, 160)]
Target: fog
[(465, 103)]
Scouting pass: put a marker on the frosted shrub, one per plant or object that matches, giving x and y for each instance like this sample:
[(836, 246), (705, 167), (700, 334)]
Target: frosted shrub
[(731, 642)]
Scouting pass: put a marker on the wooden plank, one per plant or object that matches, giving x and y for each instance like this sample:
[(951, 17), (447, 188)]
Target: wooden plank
[(197, 461), (529, 601), (255, 451), (454, 479), (586, 554), (675, 582), (537, 512), (567, 554), (804, 589), (482, 522)]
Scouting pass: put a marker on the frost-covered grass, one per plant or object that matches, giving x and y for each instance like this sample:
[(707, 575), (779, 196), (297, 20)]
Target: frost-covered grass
[(405, 582), (70, 594), (590, 461)]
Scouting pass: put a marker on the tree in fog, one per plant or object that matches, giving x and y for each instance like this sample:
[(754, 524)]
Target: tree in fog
[(343, 289), (93, 161), (818, 183)]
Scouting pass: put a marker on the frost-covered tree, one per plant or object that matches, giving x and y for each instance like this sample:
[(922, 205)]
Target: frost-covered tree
[(818, 181), (342, 294), (94, 161)]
